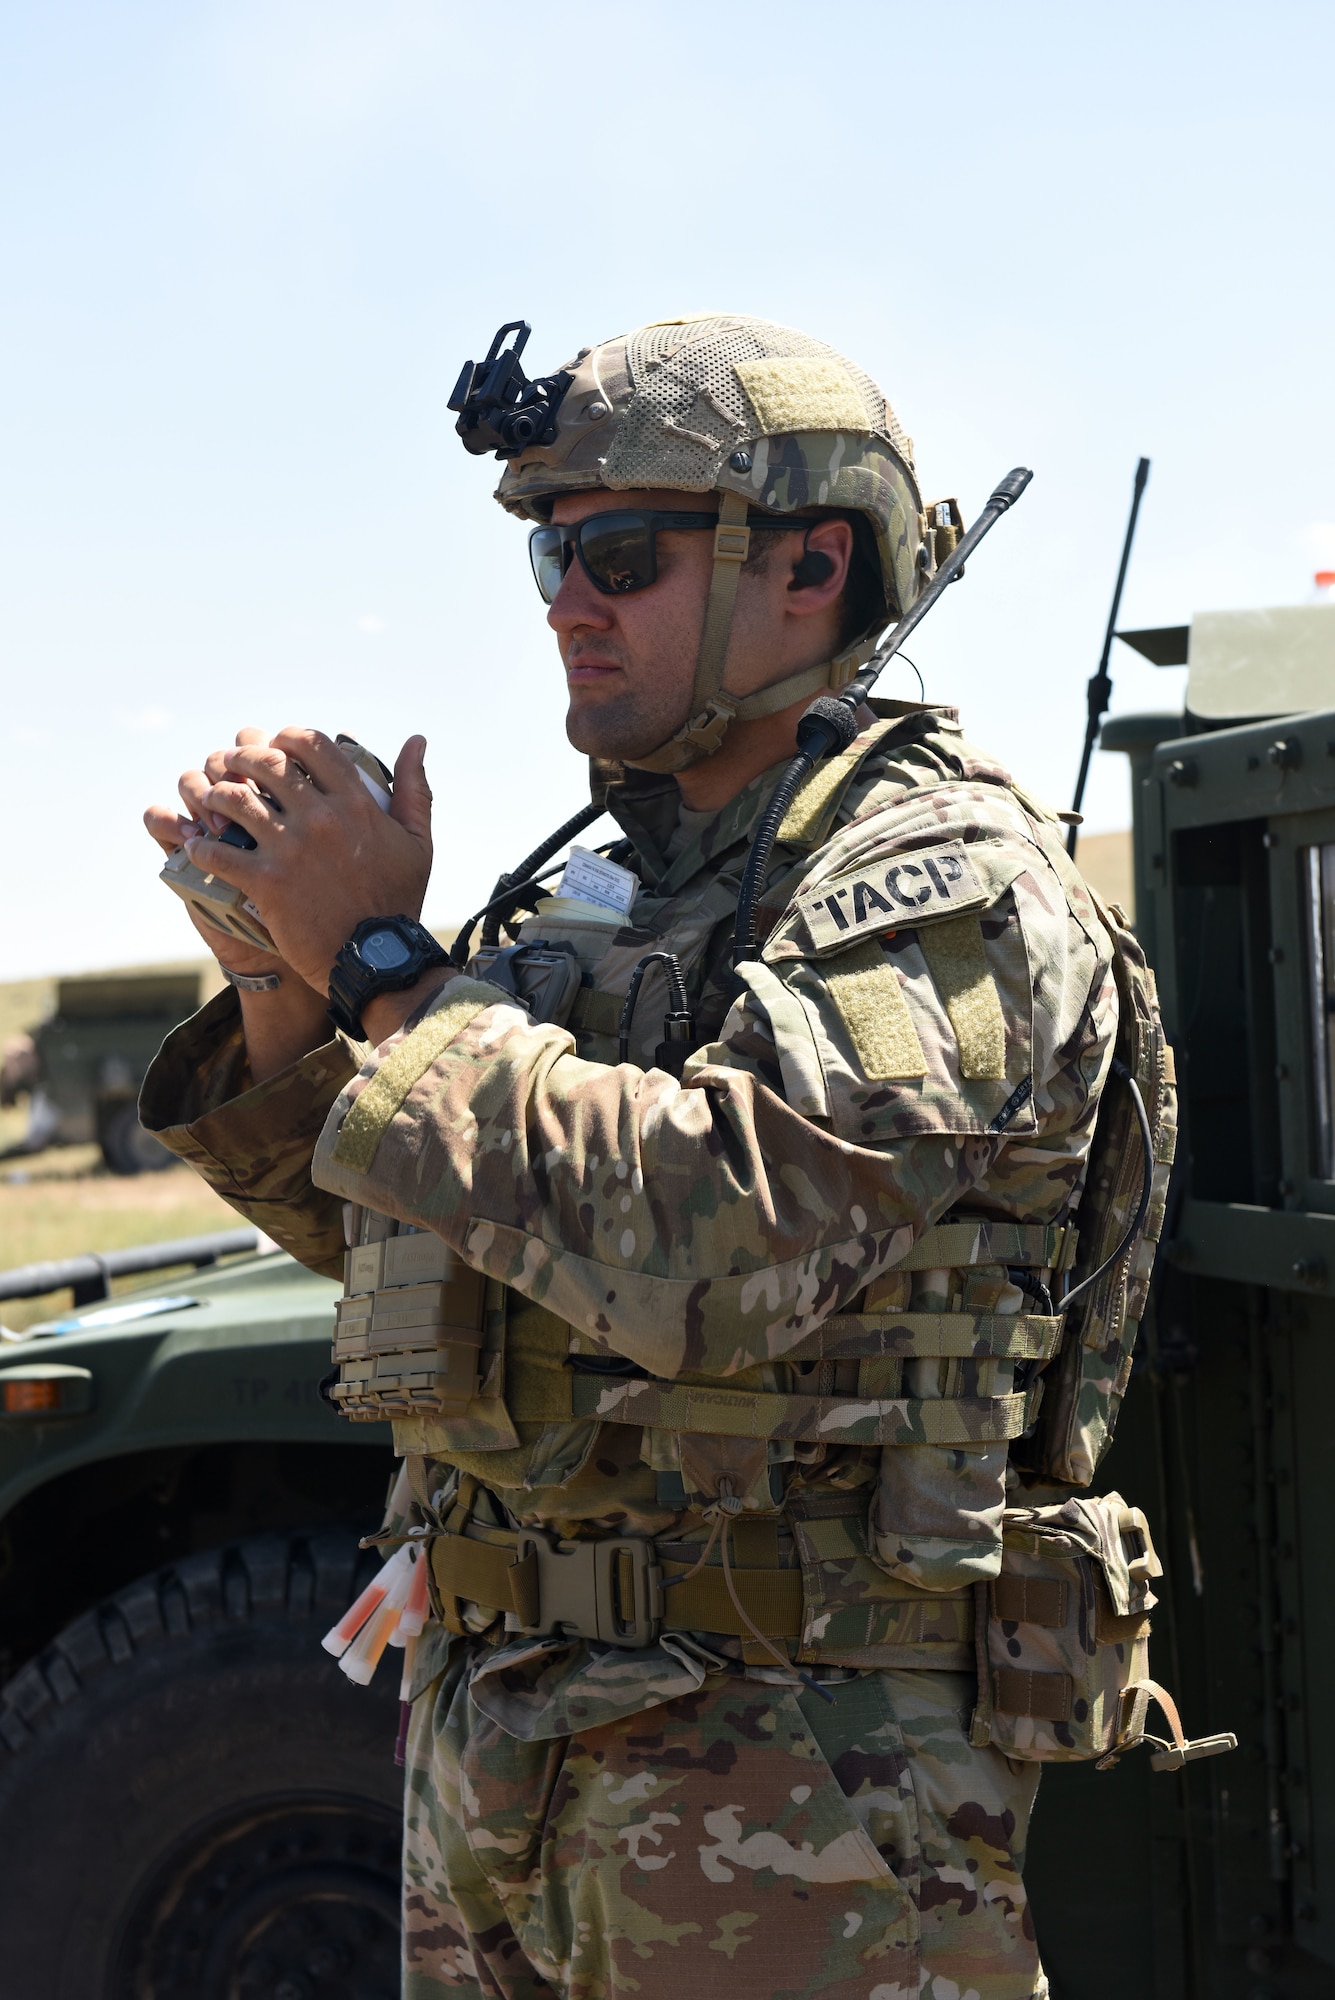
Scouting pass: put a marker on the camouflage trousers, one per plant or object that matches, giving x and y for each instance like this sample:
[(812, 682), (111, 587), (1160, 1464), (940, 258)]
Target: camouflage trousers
[(742, 1839)]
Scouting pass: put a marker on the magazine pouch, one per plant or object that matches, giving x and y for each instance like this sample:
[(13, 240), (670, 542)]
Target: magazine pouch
[(1063, 1632)]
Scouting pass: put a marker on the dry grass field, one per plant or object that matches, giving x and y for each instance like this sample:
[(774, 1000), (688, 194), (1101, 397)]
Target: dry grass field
[(59, 1203)]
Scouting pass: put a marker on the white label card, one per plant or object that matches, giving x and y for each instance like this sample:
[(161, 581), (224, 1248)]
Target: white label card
[(593, 879)]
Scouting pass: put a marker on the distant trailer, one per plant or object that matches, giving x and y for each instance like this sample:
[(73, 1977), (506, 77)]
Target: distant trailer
[(90, 1058)]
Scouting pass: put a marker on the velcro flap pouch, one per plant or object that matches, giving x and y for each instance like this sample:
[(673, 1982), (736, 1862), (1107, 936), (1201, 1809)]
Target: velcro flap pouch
[(937, 1512), (1066, 1632)]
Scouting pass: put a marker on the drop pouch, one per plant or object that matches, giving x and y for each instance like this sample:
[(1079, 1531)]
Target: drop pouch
[(1063, 1632)]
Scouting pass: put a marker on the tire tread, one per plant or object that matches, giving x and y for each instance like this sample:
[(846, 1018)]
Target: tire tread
[(309, 1575)]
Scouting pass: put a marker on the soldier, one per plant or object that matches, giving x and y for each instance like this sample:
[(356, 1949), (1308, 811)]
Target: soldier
[(708, 1521)]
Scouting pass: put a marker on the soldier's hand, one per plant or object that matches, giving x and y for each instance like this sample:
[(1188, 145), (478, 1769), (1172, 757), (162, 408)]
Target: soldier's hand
[(171, 830), (325, 855)]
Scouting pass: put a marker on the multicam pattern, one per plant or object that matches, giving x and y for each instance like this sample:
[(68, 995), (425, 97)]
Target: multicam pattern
[(252, 1146), (739, 1835), (706, 1228), (1086, 1387), (709, 1229), (1094, 1636)]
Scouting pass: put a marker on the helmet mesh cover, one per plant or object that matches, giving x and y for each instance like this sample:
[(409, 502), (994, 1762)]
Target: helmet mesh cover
[(689, 408)]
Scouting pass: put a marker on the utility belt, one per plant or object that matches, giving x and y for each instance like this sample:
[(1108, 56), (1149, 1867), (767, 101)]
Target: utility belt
[(1059, 1640), (791, 1579), (622, 1590)]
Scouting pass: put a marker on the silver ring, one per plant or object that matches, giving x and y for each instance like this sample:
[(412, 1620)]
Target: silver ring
[(268, 982)]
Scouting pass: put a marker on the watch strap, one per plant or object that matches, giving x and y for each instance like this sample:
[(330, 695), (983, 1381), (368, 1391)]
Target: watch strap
[(353, 983)]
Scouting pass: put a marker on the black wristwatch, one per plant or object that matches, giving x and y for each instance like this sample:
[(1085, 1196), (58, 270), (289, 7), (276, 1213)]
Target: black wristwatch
[(383, 955)]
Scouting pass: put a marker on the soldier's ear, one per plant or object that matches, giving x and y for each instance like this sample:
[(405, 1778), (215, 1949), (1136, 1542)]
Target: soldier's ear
[(811, 568), (820, 571)]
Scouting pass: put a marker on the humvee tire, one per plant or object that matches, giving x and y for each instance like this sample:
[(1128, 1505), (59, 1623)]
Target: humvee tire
[(194, 1801), (127, 1148)]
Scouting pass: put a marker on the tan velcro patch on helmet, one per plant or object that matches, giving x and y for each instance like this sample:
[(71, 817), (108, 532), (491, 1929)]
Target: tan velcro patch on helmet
[(803, 394)]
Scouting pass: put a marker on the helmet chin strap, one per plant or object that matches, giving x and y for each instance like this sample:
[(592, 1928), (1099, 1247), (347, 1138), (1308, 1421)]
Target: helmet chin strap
[(712, 707)]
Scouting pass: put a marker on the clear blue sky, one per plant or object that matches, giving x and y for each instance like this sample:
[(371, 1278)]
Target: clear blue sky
[(245, 246)]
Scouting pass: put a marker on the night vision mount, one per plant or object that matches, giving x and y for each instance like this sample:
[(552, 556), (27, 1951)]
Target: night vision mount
[(499, 409)]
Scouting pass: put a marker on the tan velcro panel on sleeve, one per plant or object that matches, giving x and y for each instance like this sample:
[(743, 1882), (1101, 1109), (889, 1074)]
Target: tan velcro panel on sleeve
[(375, 1107), (957, 959), (1029, 1600), (865, 988), (1045, 1697)]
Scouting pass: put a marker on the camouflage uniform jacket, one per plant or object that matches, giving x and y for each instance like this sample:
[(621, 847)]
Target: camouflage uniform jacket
[(926, 1036)]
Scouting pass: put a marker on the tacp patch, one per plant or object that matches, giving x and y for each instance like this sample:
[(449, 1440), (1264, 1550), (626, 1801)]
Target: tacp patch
[(886, 894)]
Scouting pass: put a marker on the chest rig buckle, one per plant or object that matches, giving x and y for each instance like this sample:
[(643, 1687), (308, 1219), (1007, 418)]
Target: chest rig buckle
[(544, 978), (610, 1590)]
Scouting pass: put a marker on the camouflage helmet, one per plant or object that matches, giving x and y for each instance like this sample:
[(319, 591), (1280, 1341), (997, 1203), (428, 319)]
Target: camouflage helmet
[(766, 417)]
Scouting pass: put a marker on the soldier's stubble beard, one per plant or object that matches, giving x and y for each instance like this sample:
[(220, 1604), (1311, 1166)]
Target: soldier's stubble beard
[(631, 719), (650, 695), (630, 661)]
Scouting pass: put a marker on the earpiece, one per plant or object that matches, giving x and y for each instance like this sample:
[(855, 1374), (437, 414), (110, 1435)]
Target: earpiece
[(812, 567)]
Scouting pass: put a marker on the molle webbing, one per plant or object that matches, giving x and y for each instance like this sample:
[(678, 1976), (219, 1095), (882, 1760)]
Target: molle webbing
[(1044, 1697), (1029, 1600), (1032, 1246), (974, 1336), (529, 1379), (541, 1388), (979, 1403), (748, 1413)]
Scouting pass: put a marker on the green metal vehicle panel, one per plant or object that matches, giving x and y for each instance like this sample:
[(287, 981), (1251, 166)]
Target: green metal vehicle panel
[(242, 1360), (1218, 1883)]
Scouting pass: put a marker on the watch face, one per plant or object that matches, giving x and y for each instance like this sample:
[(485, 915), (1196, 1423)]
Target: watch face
[(385, 950)]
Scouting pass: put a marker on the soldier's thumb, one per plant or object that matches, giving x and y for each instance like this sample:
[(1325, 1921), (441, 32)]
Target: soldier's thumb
[(412, 793)]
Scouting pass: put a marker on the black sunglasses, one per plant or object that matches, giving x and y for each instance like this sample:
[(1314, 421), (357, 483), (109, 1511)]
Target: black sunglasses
[(618, 551)]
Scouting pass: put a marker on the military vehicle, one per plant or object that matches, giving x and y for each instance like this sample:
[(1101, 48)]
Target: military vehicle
[(85, 1063), (193, 1800), (1219, 1880)]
